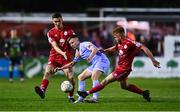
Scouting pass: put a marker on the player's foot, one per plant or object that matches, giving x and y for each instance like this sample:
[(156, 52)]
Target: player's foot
[(22, 79), (40, 92), (91, 100), (79, 101), (146, 95), (72, 100), (82, 93), (10, 80)]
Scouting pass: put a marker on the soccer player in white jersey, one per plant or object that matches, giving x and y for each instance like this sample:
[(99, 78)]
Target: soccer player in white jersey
[(99, 64)]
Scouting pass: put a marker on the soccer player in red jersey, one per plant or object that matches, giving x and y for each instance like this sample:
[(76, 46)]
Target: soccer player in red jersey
[(60, 54), (126, 49)]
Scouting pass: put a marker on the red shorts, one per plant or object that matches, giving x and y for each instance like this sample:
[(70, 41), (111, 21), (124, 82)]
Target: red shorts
[(58, 63), (120, 74)]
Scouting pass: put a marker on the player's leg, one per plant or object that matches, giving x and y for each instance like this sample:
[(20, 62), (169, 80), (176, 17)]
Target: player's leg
[(133, 88), (81, 79), (11, 66), (21, 70), (70, 75), (130, 87), (95, 76), (98, 87), (81, 83), (101, 66), (49, 71)]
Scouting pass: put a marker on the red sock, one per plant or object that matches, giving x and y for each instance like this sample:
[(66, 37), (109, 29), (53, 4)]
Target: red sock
[(44, 84), (71, 93), (96, 88), (134, 89)]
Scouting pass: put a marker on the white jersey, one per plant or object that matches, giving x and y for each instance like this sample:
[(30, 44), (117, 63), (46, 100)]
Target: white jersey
[(85, 49), (99, 60)]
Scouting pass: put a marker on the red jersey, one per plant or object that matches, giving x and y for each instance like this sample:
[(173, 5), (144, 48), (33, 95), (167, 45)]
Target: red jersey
[(60, 36), (127, 50)]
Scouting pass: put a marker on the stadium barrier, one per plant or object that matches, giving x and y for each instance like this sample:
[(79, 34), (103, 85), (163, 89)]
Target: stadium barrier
[(142, 67)]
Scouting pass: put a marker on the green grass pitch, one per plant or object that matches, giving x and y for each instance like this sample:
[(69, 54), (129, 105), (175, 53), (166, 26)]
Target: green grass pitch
[(19, 96)]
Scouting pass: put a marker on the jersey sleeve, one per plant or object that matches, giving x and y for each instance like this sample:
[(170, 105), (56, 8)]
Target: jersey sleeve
[(50, 37), (22, 46), (116, 46), (88, 45), (7, 46), (136, 44)]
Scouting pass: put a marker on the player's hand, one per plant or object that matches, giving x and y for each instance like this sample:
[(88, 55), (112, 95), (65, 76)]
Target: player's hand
[(64, 55), (101, 50), (89, 59), (156, 63), (57, 69)]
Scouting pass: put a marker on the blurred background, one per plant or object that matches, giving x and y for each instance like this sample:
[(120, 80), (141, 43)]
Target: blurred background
[(154, 23)]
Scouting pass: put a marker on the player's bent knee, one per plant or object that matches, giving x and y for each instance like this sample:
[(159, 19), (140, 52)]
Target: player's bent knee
[(80, 78), (48, 74), (93, 77)]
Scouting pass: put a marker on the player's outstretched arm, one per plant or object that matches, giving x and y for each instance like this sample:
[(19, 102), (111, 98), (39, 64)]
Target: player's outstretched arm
[(101, 50), (150, 55), (55, 46), (94, 51), (72, 63), (69, 65), (57, 69), (110, 49)]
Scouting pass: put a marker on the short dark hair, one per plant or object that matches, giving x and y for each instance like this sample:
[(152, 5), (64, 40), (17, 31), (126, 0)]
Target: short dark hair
[(56, 15), (73, 36), (119, 30)]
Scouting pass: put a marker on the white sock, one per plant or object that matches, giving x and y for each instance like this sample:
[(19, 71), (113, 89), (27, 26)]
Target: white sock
[(87, 92), (95, 82), (80, 98), (81, 86)]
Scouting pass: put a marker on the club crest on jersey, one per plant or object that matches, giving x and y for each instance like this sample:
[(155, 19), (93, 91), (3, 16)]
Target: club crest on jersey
[(125, 46), (120, 52), (65, 33), (61, 41)]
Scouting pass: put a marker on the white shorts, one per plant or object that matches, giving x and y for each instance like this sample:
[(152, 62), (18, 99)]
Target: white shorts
[(101, 64)]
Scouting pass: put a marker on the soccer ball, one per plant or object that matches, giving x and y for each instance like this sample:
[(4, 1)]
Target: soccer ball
[(66, 86)]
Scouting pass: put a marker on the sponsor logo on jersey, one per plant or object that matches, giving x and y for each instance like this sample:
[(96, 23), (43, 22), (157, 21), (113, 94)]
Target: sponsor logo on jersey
[(65, 33), (61, 42), (120, 52), (125, 46)]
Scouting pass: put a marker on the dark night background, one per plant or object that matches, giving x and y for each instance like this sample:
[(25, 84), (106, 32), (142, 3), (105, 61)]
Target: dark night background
[(161, 22), (80, 5)]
